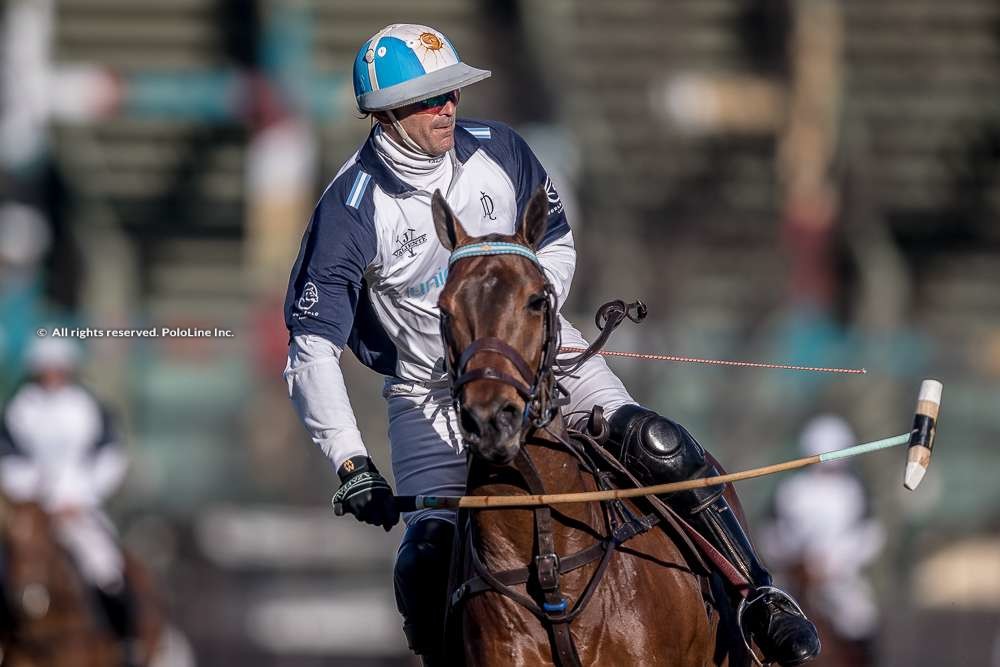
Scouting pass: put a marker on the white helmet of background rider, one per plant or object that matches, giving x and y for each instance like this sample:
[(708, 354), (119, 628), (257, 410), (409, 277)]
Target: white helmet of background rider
[(826, 433), (52, 354), (404, 63)]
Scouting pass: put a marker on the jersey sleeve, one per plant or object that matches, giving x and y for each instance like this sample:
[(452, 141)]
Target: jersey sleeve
[(316, 387), (20, 476), (108, 461), (8, 446), (327, 279)]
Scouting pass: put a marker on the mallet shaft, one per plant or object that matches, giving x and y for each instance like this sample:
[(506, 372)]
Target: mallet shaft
[(411, 503)]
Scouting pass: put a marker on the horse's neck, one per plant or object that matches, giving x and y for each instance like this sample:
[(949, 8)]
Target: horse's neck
[(507, 536), (41, 559)]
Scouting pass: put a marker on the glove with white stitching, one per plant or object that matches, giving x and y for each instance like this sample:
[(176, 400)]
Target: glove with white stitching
[(365, 493)]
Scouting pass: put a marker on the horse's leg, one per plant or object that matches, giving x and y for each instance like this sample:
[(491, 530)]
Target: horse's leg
[(149, 619)]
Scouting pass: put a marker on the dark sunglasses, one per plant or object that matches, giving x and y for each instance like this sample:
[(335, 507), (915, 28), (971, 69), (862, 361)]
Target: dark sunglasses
[(439, 100)]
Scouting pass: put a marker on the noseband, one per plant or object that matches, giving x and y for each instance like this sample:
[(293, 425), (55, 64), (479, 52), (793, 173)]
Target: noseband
[(542, 394)]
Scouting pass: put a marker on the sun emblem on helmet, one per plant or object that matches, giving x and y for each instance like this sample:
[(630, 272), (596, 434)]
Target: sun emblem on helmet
[(431, 41)]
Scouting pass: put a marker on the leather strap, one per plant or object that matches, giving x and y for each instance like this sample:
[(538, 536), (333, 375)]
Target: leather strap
[(491, 344), (489, 373), (564, 651), (698, 547), (608, 318)]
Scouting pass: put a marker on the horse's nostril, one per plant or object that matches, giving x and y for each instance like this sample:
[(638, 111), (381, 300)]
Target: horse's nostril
[(470, 424), (508, 417)]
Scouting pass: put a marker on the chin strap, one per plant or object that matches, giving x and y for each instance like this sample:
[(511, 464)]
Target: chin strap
[(410, 143)]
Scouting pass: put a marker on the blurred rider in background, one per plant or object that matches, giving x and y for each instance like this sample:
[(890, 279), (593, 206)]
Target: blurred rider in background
[(822, 529), (59, 448)]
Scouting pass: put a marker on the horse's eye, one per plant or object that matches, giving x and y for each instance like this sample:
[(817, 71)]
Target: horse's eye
[(537, 302)]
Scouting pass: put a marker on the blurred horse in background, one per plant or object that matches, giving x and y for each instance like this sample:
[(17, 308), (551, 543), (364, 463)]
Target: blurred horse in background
[(576, 584), (48, 615), (838, 650)]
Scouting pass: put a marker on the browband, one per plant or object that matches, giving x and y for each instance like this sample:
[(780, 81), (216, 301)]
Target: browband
[(492, 248)]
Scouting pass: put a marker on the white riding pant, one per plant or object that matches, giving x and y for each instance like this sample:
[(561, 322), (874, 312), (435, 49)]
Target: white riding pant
[(428, 456), (90, 539)]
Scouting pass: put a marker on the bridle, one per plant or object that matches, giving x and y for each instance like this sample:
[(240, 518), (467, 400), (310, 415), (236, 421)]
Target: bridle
[(542, 393)]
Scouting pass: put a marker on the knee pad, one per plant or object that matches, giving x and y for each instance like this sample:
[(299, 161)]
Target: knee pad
[(420, 579), (658, 450)]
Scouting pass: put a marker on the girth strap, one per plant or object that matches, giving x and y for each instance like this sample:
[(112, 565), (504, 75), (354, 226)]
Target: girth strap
[(521, 575)]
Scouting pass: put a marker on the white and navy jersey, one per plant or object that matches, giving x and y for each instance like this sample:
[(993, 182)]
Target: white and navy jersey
[(370, 267), (59, 447)]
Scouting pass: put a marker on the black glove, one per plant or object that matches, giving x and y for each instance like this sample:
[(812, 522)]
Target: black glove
[(365, 493)]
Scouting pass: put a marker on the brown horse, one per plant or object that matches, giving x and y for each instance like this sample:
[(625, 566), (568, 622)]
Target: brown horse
[(50, 617), (638, 602)]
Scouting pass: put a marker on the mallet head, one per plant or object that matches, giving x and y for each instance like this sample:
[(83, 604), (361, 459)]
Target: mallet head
[(918, 455)]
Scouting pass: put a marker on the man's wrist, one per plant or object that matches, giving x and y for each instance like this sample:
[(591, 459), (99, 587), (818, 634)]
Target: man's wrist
[(355, 465)]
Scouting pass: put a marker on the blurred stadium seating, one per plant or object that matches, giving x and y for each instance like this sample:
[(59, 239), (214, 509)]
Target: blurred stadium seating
[(667, 119)]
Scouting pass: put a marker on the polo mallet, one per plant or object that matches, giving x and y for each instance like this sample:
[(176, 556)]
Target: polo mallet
[(920, 440)]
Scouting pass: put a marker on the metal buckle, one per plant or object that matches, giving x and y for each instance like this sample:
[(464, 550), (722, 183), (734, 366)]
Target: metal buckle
[(458, 595), (547, 566)]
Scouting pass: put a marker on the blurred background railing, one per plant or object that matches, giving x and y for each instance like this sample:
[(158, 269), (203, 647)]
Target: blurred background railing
[(803, 181)]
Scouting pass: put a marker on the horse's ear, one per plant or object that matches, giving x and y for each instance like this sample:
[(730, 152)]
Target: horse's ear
[(449, 230), (536, 218)]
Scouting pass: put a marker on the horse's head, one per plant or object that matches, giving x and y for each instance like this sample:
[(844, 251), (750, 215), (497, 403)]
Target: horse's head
[(31, 549), (498, 321)]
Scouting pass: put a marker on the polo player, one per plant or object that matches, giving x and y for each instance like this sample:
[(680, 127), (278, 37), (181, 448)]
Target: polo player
[(59, 447), (368, 275)]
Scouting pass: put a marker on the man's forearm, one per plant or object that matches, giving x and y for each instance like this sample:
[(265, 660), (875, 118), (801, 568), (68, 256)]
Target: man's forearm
[(316, 387), (107, 471)]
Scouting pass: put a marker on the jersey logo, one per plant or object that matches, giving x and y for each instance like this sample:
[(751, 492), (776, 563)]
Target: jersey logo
[(407, 242), (555, 204), (310, 296), (487, 203)]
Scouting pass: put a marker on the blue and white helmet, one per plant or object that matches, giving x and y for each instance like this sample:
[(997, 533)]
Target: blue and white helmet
[(404, 63)]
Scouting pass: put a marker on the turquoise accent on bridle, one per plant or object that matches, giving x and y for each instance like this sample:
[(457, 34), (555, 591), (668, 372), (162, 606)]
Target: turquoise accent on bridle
[(487, 248)]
